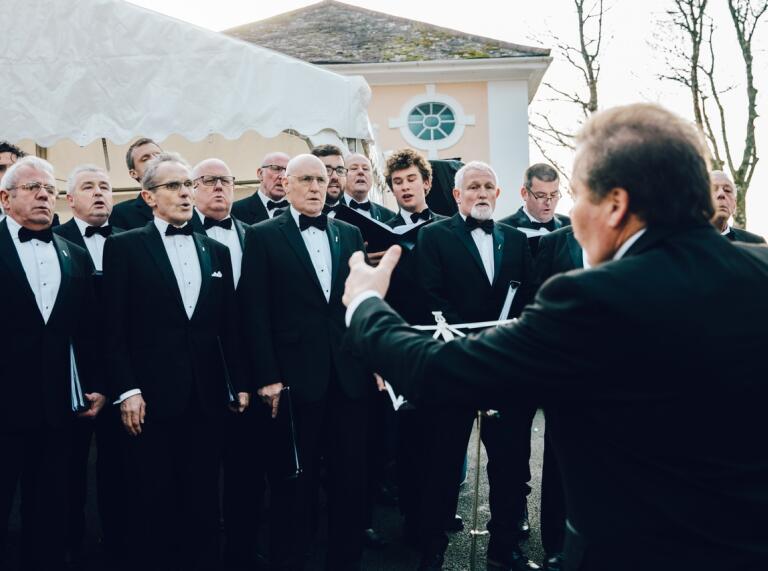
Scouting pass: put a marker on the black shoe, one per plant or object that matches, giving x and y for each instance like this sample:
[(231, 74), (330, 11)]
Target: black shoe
[(454, 525), (508, 558), (372, 540), (431, 562), (554, 563), (523, 526)]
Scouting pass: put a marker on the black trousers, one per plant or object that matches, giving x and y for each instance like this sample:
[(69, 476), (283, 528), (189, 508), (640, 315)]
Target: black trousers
[(174, 464), (107, 429), (333, 428), (553, 513), (507, 441), (38, 458), (244, 464)]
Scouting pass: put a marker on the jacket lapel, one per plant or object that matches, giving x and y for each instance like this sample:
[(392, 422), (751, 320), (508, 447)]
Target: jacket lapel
[(240, 229), (574, 249), (157, 252), (65, 264), (296, 242), (333, 242), (458, 228), (10, 257), (204, 255), (498, 252)]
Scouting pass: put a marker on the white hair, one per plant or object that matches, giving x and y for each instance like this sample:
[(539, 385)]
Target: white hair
[(458, 180), (149, 175), (198, 167), (72, 178), (11, 175)]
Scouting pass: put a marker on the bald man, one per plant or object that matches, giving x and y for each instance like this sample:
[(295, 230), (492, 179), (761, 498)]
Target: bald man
[(269, 200), (294, 267), (724, 197), (358, 187)]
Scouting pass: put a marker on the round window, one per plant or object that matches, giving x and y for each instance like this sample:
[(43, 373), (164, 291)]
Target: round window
[(431, 121)]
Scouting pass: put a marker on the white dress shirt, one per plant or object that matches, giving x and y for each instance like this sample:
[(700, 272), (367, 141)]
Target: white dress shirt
[(484, 243), (265, 199), (406, 216), (231, 240), (41, 266), (319, 249), (723, 233), (332, 213), (186, 266), (345, 200), (95, 243)]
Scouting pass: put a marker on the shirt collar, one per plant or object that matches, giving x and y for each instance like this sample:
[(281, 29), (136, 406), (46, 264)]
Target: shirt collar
[(82, 225), (13, 227), (628, 243), (162, 225), (348, 197), (726, 231), (531, 217)]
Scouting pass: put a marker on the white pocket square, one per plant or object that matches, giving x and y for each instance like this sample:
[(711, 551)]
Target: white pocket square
[(216, 275)]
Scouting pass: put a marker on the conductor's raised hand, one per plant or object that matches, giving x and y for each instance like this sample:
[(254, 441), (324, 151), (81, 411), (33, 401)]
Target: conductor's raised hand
[(363, 277)]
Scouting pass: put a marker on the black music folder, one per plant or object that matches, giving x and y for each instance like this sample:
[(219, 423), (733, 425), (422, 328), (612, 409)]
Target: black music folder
[(286, 451), (378, 235), (77, 396)]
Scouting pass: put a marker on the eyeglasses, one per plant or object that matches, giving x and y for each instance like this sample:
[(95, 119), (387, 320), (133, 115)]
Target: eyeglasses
[(212, 180), (543, 196), (273, 168), (308, 179), (341, 171), (174, 185), (35, 187)]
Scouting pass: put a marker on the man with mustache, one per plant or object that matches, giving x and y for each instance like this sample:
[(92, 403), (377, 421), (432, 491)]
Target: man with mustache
[(50, 312), (136, 213), (474, 270), (269, 200), (175, 362), (724, 197)]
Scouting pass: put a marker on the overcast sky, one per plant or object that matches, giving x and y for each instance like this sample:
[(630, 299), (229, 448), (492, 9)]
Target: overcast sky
[(630, 64)]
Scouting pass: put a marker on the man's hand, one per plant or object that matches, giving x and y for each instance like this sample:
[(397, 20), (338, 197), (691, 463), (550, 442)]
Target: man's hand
[(132, 412), (380, 382), (243, 400), (270, 395), (363, 277), (97, 401)]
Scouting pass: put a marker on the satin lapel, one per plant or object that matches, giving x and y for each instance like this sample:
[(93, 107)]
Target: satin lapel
[(577, 257), (240, 229), (333, 242), (457, 225), (204, 255), (498, 252), (154, 244), (293, 237), (10, 257), (65, 264)]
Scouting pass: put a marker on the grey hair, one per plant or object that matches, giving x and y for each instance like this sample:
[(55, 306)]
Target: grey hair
[(149, 175), (81, 169), (11, 175), (458, 180), (198, 167)]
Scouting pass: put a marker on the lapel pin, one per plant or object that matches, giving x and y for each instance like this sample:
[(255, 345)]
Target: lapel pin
[(64, 253), (337, 238), (202, 248)]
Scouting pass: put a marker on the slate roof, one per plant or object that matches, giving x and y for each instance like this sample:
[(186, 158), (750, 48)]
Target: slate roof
[(331, 32)]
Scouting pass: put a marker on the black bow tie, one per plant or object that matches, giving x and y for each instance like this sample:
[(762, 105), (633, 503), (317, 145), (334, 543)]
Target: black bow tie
[(105, 231), (185, 230), (25, 235), (319, 222), (211, 222), (539, 225), (423, 215), (328, 208), (271, 204), (485, 225), (360, 205)]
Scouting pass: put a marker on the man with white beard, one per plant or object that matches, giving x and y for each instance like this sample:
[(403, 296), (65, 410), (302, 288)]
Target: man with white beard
[(475, 270)]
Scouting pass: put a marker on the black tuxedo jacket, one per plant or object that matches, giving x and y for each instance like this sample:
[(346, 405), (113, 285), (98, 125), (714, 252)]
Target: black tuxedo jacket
[(71, 232), (558, 252), (405, 292), (153, 346), (378, 212), (35, 379), (739, 235), (250, 210), (631, 353), (292, 334), (131, 214), (451, 271), (520, 220)]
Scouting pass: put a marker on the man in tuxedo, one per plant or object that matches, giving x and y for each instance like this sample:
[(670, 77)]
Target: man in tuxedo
[(45, 282), (333, 159), (473, 271), (269, 200), (358, 186), (724, 196), (289, 295), (243, 468), (541, 193), (89, 194), (653, 477), (175, 366), (136, 213)]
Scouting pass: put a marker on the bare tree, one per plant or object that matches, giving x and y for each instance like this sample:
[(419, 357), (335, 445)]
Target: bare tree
[(692, 64), (584, 58)]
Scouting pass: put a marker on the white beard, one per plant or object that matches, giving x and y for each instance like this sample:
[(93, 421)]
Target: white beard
[(481, 212)]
